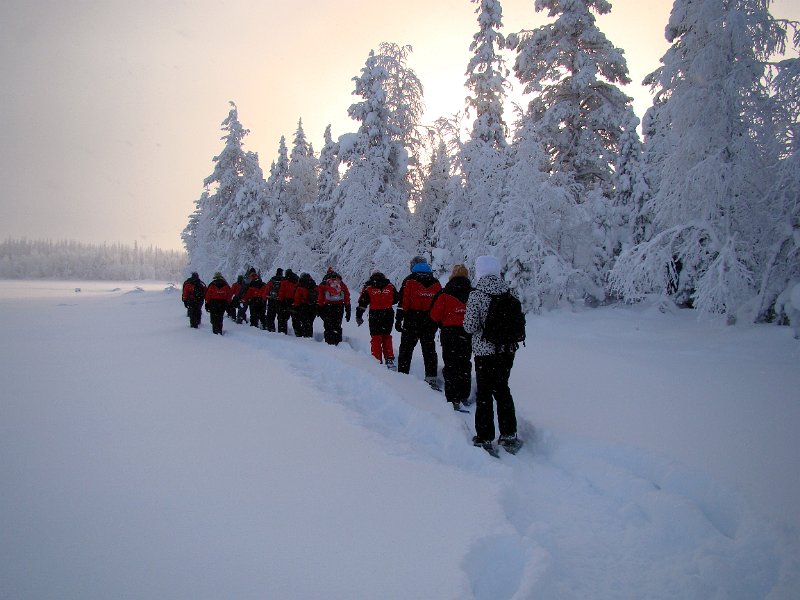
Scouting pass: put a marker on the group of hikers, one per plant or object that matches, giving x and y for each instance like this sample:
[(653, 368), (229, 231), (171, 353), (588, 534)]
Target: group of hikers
[(458, 310)]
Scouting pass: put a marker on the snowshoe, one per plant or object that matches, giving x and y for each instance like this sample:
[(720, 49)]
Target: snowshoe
[(390, 364), (510, 443), (486, 445), (458, 407), (434, 383)]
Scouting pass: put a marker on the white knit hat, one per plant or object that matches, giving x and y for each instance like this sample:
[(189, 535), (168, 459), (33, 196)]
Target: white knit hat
[(486, 265)]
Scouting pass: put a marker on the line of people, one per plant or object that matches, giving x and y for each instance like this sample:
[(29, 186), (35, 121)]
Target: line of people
[(424, 307), (284, 297)]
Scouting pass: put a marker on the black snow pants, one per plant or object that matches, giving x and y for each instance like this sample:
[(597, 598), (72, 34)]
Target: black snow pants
[(491, 376), (457, 369)]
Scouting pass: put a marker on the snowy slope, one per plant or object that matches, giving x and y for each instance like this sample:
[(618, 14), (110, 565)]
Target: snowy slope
[(143, 459)]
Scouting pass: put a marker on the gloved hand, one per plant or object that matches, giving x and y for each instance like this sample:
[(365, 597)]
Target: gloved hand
[(185, 304), (347, 313), (359, 320), (398, 322)]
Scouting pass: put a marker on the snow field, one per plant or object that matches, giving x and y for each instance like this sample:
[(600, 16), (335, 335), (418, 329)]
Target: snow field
[(146, 459)]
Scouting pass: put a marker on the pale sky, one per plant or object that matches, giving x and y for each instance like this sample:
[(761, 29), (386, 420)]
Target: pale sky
[(110, 110)]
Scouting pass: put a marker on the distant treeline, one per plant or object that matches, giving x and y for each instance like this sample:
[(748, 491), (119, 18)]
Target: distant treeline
[(36, 259)]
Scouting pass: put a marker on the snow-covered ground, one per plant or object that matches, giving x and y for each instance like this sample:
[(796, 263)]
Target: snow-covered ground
[(142, 459)]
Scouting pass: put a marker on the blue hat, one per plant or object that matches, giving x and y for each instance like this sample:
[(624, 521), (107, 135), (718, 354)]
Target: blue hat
[(422, 267)]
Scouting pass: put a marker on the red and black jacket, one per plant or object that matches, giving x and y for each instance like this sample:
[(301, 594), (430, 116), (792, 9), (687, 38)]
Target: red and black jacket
[(218, 295), (256, 293), (416, 297), (194, 291), (450, 304), (379, 295)]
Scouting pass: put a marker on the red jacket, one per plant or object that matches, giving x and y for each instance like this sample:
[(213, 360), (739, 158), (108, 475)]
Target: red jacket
[(418, 291), (256, 290), (378, 298), (332, 291), (448, 311), (218, 293), (286, 291), (194, 290), (301, 296)]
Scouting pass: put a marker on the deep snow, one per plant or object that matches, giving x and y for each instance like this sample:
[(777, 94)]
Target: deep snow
[(144, 459)]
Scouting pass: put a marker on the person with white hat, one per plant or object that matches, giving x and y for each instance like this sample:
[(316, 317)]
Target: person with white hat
[(492, 363)]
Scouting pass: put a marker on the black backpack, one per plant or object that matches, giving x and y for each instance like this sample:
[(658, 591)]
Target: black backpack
[(505, 322)]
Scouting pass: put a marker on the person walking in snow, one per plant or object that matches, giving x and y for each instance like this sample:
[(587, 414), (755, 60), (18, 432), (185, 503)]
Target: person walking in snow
[(414, 322), (447, 312), (193, 295), (333, 304), (304, 306), (273, 287), (492, 364), (237, 289), (218, 299), (255, 298), (379, 295), (285, 300)]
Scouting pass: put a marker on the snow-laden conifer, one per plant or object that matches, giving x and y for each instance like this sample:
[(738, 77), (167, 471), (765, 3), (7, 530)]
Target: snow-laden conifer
[(483, 159), (371, 229), (705, 140), (295, 221), (324, 208), (584, 119), (439, 190), (211, 228)]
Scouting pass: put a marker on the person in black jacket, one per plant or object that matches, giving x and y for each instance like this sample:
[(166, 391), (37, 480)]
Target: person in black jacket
[(193, 296), (273, 287)]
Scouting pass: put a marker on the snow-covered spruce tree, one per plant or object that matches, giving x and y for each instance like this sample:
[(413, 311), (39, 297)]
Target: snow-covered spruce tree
[(582, 117), (372, 229), (483, 159), (276, 200), (438, 191), (709, 214), (250, 213), (294, 227), (210, 230), (781, 259), (528, 225), (324, 208)]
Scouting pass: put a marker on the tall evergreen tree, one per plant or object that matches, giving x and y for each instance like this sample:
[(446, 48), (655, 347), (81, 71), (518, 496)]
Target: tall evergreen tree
[(706, 142), (294, 229), (438, 191), (324, 208), (210, 229), (483, 159), (582, 116), (372, 227)]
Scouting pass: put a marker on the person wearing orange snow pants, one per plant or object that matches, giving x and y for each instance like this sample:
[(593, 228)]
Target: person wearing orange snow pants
[(379, 295)]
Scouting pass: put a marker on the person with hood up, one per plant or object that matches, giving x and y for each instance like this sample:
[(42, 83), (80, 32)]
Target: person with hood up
[(492, 364), (414, 322), (304, 306), (273, 287), (256, 299), (286, 299), (218, 298), (193, 295), (333, 304), (447, 312), (379, 295)]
